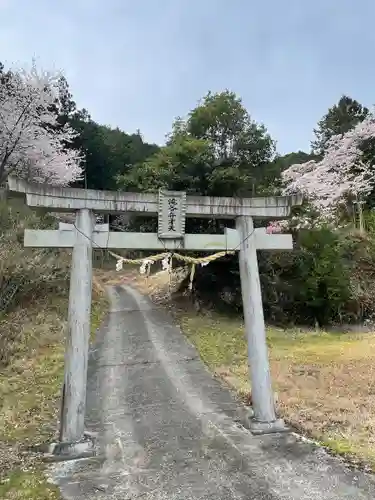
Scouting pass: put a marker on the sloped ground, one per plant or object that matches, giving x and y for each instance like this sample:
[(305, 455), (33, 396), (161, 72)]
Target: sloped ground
[(168, 430), (30, 391)]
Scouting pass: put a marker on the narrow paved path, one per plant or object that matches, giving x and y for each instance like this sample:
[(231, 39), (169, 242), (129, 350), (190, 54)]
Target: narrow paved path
[(168, 430)]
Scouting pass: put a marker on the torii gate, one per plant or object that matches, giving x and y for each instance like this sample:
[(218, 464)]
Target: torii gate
[(172, 208)]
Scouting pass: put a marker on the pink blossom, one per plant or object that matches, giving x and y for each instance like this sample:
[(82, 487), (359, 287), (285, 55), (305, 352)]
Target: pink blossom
[(327, 183), (31, 144), (274, 227)]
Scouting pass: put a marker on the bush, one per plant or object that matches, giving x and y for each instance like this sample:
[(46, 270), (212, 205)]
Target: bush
[(25, 274), (328, 278), (308, 285)]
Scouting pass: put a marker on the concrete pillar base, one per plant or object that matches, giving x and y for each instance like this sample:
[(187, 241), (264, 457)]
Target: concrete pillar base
[(61, 451), (258, 428)]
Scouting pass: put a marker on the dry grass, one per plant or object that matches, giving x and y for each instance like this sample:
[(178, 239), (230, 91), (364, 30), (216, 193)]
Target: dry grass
[(26, 273), (112, 277), (162, 284), (159, 285), (30, 389), (324, 381)]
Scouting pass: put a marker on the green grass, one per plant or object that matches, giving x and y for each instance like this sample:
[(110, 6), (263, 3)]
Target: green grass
[(221, 339), (28, 485), (30, 391), (324, 381)]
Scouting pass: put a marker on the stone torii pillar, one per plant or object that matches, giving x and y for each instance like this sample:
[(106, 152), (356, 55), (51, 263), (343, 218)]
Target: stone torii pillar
[(261, 389), (171, 236), (79, 325)]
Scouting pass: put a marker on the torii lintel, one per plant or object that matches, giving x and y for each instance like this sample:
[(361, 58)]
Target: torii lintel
[(67, 199)]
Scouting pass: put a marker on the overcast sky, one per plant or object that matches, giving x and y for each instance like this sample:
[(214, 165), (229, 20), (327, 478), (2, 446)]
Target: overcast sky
[(139, 64)]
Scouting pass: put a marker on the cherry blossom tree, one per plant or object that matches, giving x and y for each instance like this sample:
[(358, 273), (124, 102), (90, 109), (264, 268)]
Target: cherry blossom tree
[(343, 173), (33, 144)]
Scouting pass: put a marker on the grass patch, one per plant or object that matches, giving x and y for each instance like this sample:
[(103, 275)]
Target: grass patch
[(28, 485), (30, 391), (324, 381)]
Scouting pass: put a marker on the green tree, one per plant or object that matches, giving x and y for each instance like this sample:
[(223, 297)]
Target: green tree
[(107, 151), (339, 119), (217, 150), (185, 164)]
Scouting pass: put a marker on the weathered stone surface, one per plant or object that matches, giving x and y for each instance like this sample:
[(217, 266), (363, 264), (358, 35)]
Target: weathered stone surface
[(69, 199), (167, 429)]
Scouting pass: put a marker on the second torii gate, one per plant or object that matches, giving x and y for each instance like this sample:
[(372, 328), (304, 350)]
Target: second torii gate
[(172, 208)]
